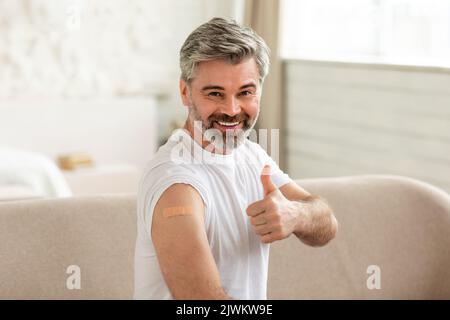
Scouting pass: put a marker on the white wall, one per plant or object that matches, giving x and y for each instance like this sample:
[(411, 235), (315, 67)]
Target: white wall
[(345, 119), (54, 48), (79, 49)]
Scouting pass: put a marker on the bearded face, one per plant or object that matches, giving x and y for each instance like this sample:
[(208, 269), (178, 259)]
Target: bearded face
[(223, 101)]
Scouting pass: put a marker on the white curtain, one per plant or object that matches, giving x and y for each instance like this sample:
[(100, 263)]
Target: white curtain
[(263, 17)]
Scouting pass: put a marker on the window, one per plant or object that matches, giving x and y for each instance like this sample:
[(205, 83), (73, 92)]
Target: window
[(413, 32)]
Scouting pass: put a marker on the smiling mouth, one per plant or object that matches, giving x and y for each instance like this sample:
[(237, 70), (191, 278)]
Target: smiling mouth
[(228, 125)]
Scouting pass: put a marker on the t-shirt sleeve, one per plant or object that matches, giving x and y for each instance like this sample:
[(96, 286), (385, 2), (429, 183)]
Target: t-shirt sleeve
[(278, 177)]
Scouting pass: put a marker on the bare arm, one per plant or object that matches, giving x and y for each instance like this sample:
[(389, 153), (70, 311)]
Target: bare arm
[(179, 236), (316, 224)]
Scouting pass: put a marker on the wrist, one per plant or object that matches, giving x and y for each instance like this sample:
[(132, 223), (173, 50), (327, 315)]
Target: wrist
[(303, 225)]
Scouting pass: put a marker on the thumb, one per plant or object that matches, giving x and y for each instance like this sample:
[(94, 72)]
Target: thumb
[(267, 184)]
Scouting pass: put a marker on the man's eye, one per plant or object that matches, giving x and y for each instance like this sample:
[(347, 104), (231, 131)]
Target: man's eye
[(246, 93), (215, 94)]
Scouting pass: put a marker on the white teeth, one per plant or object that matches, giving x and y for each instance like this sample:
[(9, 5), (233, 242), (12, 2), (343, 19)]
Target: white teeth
[(228, 124)]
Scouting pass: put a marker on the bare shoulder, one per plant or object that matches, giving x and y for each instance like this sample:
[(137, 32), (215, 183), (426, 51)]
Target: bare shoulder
[(181, 195), (179, 209)]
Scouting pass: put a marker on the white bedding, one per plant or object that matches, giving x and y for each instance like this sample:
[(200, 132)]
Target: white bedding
[(25, 174)]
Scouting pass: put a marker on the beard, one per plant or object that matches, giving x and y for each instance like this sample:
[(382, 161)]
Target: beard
[(223, 141)]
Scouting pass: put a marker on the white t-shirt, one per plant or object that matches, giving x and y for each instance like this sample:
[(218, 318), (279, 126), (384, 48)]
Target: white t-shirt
[(228, 184)]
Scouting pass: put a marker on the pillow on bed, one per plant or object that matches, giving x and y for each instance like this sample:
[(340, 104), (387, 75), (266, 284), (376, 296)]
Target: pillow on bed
[(30, 174)]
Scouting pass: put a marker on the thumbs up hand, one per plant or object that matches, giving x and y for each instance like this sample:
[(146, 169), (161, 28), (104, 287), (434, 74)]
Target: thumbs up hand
[(274, 217)]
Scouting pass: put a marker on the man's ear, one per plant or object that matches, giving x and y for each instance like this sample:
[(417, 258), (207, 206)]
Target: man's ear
[(184, 93)]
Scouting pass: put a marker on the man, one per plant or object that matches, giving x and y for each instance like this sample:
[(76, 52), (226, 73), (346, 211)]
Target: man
[(205, 221)]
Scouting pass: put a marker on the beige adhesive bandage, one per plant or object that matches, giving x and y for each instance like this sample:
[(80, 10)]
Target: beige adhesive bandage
[(178, 211)]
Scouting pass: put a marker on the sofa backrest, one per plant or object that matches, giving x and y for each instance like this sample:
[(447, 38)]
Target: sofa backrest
[(399, 225), (41, 241), (392, 227)]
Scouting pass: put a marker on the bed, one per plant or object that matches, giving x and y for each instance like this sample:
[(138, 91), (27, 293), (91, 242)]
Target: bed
[(120, 136)]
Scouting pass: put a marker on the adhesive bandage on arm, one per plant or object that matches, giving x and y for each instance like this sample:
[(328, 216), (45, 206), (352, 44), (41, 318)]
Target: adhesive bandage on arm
[(178, 211)]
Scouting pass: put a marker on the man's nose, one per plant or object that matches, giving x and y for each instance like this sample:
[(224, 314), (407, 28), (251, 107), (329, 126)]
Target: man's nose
[(232, 107)]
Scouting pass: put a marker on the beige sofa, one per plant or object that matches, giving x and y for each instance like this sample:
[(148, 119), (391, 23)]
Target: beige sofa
[(400, 225)]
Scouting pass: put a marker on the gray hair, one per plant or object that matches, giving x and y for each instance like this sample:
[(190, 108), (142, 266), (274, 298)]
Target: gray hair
[(223, 39)]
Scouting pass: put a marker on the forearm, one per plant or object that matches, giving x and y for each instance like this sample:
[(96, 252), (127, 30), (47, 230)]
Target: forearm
[(316, 224), (218, 295), (210, 294), (195, 288)]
